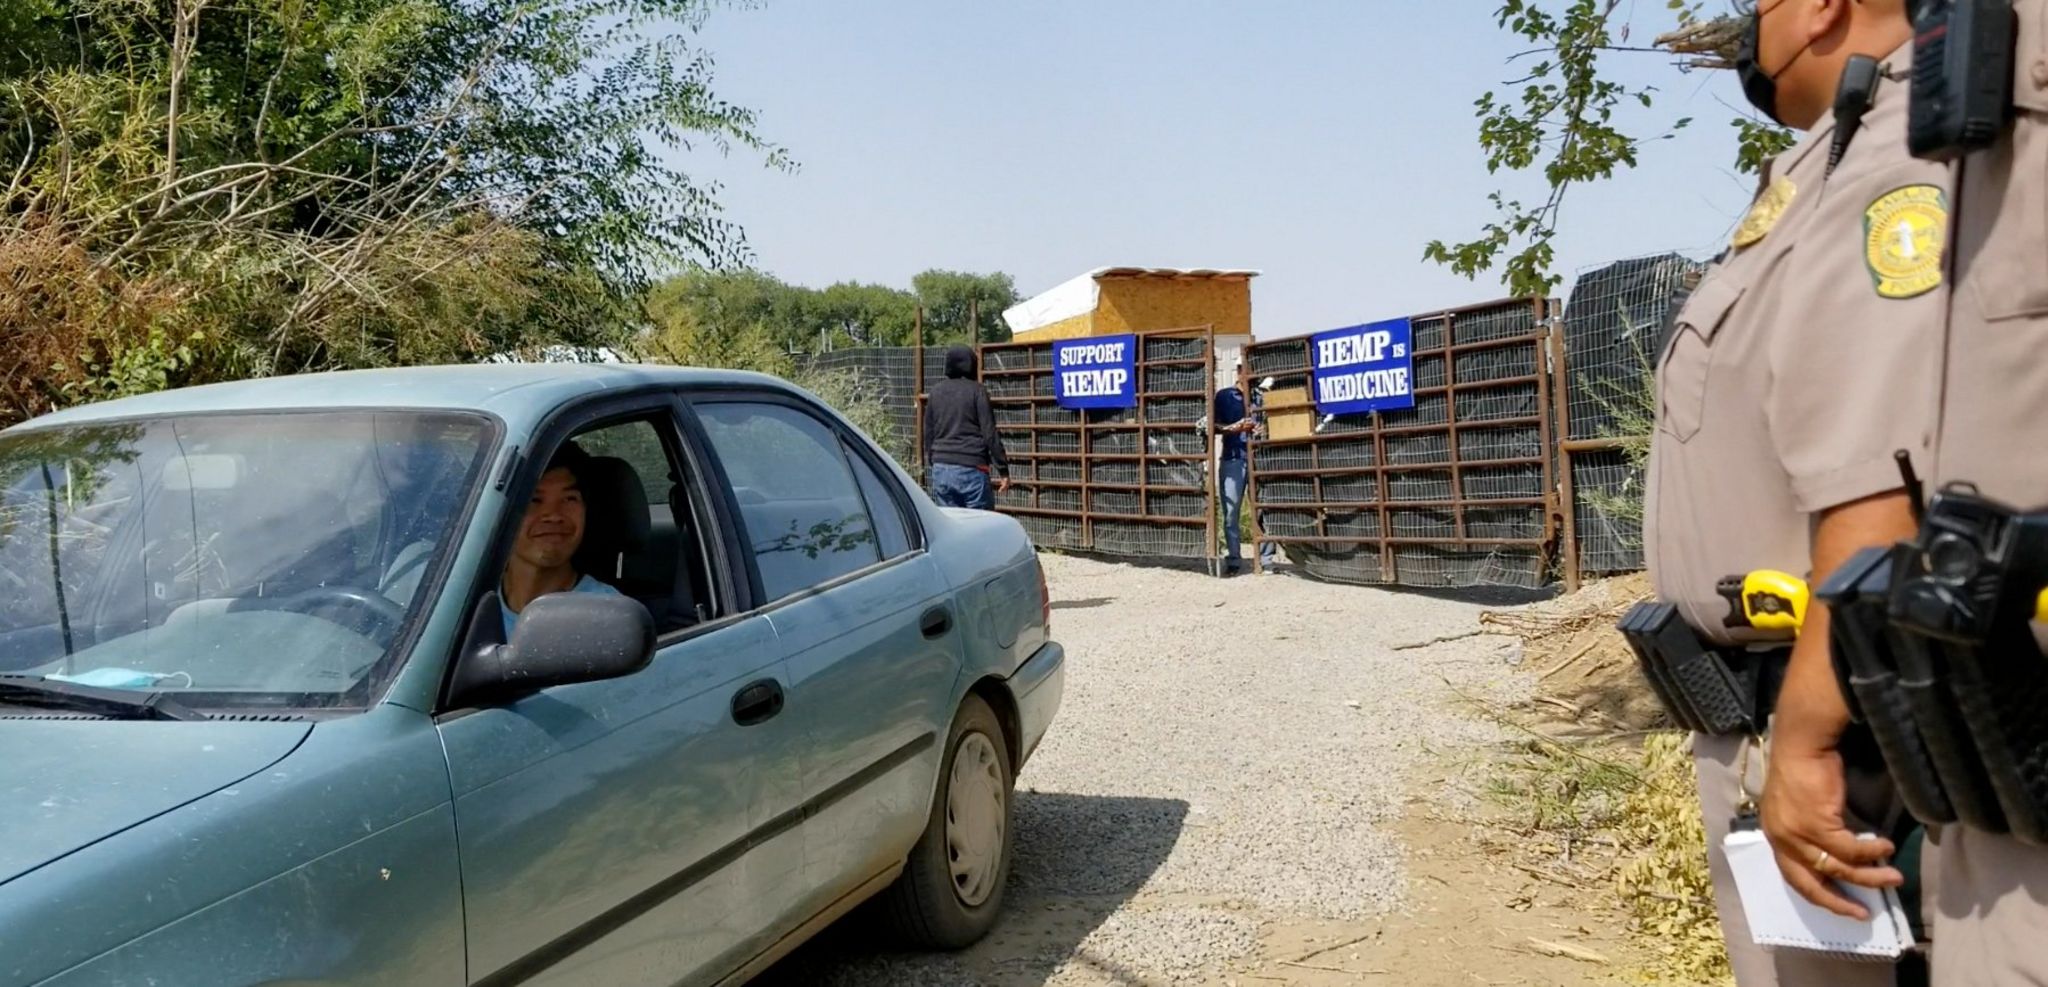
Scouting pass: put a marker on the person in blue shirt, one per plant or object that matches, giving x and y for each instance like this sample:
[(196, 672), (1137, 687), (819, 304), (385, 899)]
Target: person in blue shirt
[(543, 556), (1235, 424)]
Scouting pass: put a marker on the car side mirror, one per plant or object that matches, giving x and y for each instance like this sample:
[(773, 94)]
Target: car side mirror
[(561, 639)]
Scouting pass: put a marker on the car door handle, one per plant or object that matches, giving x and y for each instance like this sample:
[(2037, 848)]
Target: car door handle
[(757, 703), (936, 622)]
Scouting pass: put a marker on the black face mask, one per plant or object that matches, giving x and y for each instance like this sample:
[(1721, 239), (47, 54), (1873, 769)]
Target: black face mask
[(1760, 86), (1757, 84)]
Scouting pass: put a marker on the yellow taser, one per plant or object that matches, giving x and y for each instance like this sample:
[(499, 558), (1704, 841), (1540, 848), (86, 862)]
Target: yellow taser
[(1769, 600)]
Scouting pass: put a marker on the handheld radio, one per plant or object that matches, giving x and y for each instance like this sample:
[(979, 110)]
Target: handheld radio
[(1962, 76)]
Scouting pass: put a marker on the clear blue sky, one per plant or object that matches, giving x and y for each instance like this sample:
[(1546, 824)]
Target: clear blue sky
[(1322, 142)]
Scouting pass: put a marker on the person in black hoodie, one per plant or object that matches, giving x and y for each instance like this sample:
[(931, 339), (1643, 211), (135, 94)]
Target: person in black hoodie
[(961, 443)]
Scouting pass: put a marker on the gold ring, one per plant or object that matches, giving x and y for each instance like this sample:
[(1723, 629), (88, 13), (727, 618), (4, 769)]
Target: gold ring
[(1820, 863)]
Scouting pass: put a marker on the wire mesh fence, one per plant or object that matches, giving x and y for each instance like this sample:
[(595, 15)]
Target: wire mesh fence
[(1615, 325), (883, 378), (1131, 482), (1454, 492), (1607, 495), (1612, 328)]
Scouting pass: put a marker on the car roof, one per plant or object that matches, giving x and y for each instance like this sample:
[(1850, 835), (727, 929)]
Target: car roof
[(517, 392)]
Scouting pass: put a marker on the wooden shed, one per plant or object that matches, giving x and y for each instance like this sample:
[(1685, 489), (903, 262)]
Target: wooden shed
[(1111, 300)]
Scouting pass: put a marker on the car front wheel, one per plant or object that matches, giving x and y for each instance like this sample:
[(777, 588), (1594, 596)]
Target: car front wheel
[(951, 889)]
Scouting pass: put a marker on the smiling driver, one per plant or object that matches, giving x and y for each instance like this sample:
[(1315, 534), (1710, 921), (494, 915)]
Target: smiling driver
[(543, 557)]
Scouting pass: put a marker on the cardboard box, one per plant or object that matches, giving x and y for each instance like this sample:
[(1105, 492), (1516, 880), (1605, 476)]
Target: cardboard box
[(1299, 423), (1288, 397)]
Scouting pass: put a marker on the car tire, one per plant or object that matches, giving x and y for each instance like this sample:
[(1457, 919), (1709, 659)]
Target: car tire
[(951, 890)]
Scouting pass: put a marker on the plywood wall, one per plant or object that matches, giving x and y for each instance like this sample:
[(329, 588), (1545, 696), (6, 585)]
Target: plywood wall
[(1080, 325), (1147, 304)]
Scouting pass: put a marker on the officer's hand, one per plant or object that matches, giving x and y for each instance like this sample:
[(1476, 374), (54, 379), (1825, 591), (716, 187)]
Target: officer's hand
[(1802, 810), (1002, 484)]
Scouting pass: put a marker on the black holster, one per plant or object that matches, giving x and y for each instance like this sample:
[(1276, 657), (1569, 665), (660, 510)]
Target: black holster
[(1938, 660), (1706, 689), (1892, 704)]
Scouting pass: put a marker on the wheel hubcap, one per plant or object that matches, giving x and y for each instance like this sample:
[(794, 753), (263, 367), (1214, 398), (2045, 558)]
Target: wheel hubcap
[(974, 819)]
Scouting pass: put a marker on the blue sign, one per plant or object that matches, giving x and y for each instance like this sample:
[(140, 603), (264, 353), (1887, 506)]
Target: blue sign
[(1364, 368), (1096, 372)]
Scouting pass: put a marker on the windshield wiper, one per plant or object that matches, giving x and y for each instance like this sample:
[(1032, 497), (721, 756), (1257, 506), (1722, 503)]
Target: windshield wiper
[(118, 704)]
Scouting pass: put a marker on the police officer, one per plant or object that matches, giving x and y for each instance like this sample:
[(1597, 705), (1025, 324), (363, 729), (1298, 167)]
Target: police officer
[(1991, 898), (1793, 371)]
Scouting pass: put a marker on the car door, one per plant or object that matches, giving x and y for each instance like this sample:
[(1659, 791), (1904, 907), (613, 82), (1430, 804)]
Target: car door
[(632, 831), (864, 617)]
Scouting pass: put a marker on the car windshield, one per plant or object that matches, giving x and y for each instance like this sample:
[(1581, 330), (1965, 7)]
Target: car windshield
[(231, 560)]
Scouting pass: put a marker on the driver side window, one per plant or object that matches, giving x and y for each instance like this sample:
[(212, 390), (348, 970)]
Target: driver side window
[(614, 506)]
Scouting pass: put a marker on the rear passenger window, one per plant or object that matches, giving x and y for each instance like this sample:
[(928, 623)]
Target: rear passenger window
[(887, 512), (803, 510)]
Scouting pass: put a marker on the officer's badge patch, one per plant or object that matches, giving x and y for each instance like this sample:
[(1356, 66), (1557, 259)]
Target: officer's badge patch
[(1904, 233), (1765, 212)]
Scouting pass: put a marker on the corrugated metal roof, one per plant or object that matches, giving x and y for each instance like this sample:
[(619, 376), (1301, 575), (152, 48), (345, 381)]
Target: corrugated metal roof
[(1173, 273)]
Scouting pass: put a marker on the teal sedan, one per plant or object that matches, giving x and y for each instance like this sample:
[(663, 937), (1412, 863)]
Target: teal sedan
[(518, 674)]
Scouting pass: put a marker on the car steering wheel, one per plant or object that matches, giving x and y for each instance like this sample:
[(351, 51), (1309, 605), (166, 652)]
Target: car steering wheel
[(376, 616)]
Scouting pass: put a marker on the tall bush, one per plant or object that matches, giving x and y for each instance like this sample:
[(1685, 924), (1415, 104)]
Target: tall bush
[(276, 187)]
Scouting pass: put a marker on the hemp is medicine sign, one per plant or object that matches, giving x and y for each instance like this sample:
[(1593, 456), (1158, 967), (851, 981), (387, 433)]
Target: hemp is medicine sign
[(1096, 372), (1364, 368)]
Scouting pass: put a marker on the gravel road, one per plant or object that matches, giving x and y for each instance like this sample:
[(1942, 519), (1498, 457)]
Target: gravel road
[(1229, 757)]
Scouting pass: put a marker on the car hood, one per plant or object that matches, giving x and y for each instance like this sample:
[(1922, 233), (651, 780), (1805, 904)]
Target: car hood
[(66, 784)]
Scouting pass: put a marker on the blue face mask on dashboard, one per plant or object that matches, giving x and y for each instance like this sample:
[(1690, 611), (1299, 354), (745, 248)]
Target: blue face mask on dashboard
[(112, 678)]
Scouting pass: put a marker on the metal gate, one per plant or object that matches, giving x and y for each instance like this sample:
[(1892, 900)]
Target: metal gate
[(1457, 491), (1131, 482)]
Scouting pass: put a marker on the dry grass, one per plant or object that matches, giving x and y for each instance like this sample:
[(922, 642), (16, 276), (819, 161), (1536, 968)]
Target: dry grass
[(59, 313), (1582, 666), (1601, 792), (1665, 880)]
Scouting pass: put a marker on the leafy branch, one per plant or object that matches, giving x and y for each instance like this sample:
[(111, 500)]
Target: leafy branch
[(1563, 121)]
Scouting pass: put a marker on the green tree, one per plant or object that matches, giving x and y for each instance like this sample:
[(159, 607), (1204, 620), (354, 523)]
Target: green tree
[(721, 306), (319, 184), (1561, 119), (954, 300), (702, 319), (850, 314)]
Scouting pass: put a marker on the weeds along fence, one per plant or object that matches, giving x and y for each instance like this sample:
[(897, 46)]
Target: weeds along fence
[(1457, 491), (1128, 481)]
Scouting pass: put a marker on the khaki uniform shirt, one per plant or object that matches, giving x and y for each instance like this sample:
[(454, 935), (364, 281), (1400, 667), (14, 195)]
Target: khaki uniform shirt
[(1994, 408), (1993, 432), (1805, 357)]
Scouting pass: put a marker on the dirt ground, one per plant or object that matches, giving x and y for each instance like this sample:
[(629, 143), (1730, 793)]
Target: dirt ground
[(1128, 873), (1493, 902)]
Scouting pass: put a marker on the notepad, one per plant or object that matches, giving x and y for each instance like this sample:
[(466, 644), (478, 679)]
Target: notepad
[(1780, 918)]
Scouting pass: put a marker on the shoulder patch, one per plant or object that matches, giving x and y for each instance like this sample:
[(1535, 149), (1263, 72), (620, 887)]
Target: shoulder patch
[(1904, 234), (1765, 212)]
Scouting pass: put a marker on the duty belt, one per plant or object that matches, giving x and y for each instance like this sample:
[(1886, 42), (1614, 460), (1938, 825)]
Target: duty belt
[(1933, 649), (1706, 688)]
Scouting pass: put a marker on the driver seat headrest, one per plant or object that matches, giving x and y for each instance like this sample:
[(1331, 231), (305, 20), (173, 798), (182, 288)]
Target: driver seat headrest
[(615, 515)]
